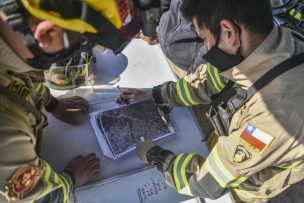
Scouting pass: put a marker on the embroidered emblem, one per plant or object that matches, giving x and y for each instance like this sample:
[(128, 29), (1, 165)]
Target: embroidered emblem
[(22, 181), (19, 89), (241, 154), (255, 139)]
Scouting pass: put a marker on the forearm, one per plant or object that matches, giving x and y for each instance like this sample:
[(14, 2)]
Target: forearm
[(186, 173)]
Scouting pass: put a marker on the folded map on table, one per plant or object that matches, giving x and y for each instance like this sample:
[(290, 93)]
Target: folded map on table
[(118, 129)]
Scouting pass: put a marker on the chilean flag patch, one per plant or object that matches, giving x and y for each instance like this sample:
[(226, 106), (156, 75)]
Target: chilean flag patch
[(255, 138)]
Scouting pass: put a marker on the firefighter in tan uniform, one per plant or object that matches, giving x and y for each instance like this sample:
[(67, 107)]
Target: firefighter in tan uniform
[(263, 153), (24, 176)]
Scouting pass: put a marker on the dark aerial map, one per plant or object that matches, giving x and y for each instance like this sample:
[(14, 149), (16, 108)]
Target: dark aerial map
[(123, 126)]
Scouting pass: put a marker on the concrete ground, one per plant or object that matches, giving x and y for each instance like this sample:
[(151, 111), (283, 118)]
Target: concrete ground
[(294, 194)]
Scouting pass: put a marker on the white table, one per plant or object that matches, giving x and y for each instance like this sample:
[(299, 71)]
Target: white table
[(125, 179)]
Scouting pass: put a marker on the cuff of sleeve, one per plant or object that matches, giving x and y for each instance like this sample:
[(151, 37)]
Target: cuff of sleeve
[(160, 158), (70, 173), (51, 106), (156, 94)]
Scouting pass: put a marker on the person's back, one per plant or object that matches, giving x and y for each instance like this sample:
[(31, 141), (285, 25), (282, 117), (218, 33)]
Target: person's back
[(178, 39)]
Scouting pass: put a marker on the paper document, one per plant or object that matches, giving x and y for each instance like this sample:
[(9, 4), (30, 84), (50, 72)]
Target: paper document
[(119, 129)]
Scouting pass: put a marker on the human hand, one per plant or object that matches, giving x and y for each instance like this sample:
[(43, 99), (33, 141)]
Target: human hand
[(142, 149), (72, 110), (136, 94), (150, 40), (84, 168)]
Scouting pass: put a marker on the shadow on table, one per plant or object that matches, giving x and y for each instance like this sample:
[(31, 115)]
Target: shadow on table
[(108, 66)]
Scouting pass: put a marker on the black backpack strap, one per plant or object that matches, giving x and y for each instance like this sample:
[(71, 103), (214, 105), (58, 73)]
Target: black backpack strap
[(22, 102), (223, 96), (267, 78)]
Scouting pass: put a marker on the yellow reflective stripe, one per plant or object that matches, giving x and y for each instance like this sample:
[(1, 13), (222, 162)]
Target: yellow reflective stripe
[(59, 181), (184, 177), (218, 78), (46, 179), (250, 196), (43, 90), (211, 76), (179, 93), (298, 16), (67, 186), (290, 165), (217, 169), (175, 175), (38, 87), (185, 83)]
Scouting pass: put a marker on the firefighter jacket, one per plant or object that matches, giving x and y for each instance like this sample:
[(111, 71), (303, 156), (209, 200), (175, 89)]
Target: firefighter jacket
[(195, 88), (24, 176), (264, 151)]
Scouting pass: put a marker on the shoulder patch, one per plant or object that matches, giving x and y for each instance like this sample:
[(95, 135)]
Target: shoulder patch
[(241, 154), (22, 181), (19, 89), (256, 139)]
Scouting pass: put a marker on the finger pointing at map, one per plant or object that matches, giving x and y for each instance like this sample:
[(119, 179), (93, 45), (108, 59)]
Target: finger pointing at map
[(136, 94)]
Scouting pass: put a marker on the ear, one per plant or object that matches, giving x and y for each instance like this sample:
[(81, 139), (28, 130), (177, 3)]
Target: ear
[(49, 36), (230, 37)]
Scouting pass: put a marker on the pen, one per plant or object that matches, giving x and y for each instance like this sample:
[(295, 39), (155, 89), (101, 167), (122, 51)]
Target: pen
[(119, 89), (125, 100)]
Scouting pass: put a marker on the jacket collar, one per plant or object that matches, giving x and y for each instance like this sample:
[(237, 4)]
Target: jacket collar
[(277, 47)]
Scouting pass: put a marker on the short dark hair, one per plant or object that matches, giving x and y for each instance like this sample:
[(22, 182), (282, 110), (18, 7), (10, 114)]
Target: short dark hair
[(254, 15)]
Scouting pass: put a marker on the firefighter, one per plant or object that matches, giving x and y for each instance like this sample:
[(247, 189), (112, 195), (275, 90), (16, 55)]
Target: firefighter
[(24, 176), (262, 154)]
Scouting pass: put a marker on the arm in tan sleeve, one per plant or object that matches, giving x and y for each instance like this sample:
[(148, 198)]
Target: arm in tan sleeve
[(187, 174), (48, 100), (196, 88), (23, 175)]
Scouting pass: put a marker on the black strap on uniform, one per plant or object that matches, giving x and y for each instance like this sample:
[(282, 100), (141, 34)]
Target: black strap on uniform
[(22, 102), (225, 91), (243, 96)]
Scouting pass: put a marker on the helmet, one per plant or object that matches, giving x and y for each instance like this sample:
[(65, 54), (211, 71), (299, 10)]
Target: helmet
[(72, 72), (105, 22)]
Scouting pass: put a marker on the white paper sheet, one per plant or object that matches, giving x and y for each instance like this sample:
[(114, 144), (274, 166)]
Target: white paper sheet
[(148, 130)]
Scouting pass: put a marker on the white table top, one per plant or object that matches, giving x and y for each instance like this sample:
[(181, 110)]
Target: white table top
[(140, 66)]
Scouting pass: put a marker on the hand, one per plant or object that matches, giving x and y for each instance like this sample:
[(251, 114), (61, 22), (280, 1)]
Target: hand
[(72, 110), (142, 149), (84, 168), (136, 94), (150, 40)]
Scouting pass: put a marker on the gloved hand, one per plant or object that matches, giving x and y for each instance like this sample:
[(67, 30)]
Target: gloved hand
[(136, 94), (142, 149), (84, 169), (72, 110)]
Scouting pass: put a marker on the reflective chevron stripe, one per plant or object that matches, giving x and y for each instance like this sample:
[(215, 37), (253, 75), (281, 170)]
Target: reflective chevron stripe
[(220, 173), (179, 173)]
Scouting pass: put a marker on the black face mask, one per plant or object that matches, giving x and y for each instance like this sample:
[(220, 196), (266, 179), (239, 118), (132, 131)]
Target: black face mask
[(220, 59)]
